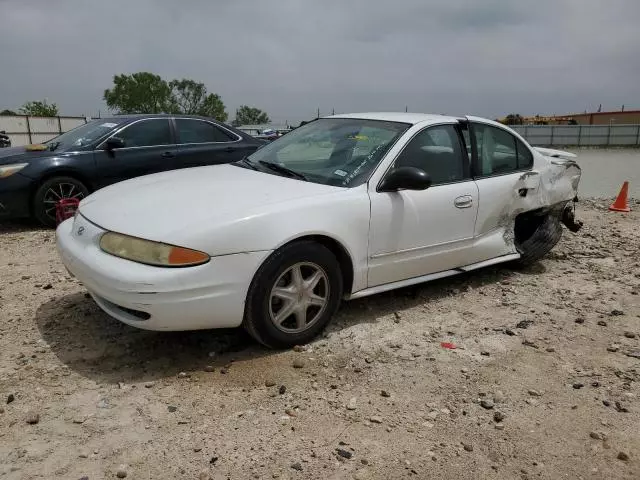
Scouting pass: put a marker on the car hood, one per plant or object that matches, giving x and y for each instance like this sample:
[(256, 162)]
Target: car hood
[(166, 206), (20, 155)]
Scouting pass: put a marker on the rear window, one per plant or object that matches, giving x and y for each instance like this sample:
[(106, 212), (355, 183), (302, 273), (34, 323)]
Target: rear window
[(199, 131)]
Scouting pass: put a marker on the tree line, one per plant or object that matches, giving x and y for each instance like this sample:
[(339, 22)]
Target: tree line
[(145, 92)]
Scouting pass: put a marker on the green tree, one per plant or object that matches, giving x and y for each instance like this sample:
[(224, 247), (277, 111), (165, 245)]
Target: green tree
[(250, 116), (39, 109), (140, 92), (8, 112), (514, 119), (191, 98), (145, 92)]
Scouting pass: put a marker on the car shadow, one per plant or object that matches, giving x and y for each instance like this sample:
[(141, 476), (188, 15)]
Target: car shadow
[(19, 226), (94, 345)]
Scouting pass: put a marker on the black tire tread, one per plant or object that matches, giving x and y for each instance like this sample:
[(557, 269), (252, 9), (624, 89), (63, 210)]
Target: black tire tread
[(276, 259), (541, 242), (38, 211)]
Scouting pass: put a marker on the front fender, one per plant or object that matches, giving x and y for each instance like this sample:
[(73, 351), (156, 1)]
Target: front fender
[(80, 165), (342, 217)]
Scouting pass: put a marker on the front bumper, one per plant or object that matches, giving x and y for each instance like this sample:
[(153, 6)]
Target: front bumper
[(15, 193), (155, 298)]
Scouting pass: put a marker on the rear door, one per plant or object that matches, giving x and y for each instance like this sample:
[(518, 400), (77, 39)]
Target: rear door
[(503, 171), (201, 142), (149, 148)]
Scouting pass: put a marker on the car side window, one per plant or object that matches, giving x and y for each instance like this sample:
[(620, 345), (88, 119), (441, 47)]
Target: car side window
[(437, 151), (147, 133), (525, 157), (199, 131), (499, 152)]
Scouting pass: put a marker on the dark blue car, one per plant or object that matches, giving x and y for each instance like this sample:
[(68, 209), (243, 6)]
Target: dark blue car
[(109, 150)]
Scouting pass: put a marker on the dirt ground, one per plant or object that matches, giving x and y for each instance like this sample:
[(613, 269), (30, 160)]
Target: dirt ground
[(542, 383)]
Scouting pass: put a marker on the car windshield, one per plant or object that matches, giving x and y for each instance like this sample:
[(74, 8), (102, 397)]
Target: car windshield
[(333, 151), (82, 135)]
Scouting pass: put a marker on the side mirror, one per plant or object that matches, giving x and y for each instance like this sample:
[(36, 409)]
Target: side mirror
[(113, 143), (406, 178)]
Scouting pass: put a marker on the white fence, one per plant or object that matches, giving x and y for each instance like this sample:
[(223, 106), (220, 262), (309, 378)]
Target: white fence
[(25, 130), (580, 135)]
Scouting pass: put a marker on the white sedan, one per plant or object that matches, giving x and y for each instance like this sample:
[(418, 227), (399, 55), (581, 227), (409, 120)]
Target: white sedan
[(341, 208)]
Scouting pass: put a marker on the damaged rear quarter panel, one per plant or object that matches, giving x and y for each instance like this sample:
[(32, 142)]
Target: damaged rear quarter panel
[(550, 182)]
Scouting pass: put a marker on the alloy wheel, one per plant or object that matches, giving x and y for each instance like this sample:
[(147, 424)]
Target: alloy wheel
[(299, 297), (57, 192)]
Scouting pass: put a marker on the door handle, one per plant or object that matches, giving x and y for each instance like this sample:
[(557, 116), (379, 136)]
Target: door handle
[(465, 201), (168, 155), (229, 149)]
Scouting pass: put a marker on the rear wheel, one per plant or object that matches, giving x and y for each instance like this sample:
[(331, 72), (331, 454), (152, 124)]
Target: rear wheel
[(293, 295), (51, 192), (536, 235)]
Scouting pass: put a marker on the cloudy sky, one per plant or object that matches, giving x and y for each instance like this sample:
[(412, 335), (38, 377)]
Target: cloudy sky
[(289, 57)]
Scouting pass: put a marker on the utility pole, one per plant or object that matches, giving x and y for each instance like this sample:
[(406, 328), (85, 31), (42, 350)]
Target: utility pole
[(318, 113), (406, 109), (333, 110)]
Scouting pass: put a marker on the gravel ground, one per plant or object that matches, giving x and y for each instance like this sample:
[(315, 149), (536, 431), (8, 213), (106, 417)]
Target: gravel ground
[(542, 382)]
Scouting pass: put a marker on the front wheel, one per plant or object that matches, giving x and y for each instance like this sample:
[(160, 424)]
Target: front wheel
[(293, 295), (51, 192)]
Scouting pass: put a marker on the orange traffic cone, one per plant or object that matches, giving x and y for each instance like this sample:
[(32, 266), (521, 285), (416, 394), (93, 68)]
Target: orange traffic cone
[(621, 204)]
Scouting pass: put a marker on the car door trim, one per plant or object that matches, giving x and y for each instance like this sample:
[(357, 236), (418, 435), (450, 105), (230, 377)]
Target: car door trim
[(432, 276), (126, 149)]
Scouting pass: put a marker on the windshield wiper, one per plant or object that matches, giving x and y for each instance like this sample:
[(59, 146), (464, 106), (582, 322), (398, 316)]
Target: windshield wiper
[(248, 163), (284, 170)]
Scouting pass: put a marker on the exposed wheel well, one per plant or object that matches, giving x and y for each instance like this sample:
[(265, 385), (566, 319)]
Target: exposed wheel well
[(344, 259), (526, 224)]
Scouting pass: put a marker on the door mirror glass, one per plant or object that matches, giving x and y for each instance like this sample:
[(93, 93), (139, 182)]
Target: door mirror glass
[(406, 178), (114, 142)]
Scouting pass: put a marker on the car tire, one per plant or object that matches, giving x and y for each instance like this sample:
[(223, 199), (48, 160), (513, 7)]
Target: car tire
[(266, 318), (537, 238), (54, 189)]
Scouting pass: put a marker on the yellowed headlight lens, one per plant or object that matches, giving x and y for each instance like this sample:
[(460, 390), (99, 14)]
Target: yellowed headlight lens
[(149, 252)]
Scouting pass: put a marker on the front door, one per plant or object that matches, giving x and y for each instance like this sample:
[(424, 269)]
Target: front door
[(148, 148), (203, 143), (415, 233)]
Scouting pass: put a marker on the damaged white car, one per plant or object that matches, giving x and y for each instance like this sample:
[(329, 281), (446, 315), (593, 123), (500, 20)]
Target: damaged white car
[(341, 208)]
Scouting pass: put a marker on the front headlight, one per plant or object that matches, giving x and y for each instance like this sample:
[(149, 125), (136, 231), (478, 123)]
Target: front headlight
[(8, 170), (150, 253)]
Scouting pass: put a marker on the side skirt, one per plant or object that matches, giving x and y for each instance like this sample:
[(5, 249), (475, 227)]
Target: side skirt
[(433, 276)]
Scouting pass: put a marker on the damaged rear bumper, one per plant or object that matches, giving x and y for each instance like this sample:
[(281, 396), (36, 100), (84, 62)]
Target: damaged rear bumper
[(568, 218)]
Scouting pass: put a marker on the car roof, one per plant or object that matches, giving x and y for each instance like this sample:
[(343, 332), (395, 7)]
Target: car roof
[(403, 117), (132, 116)]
